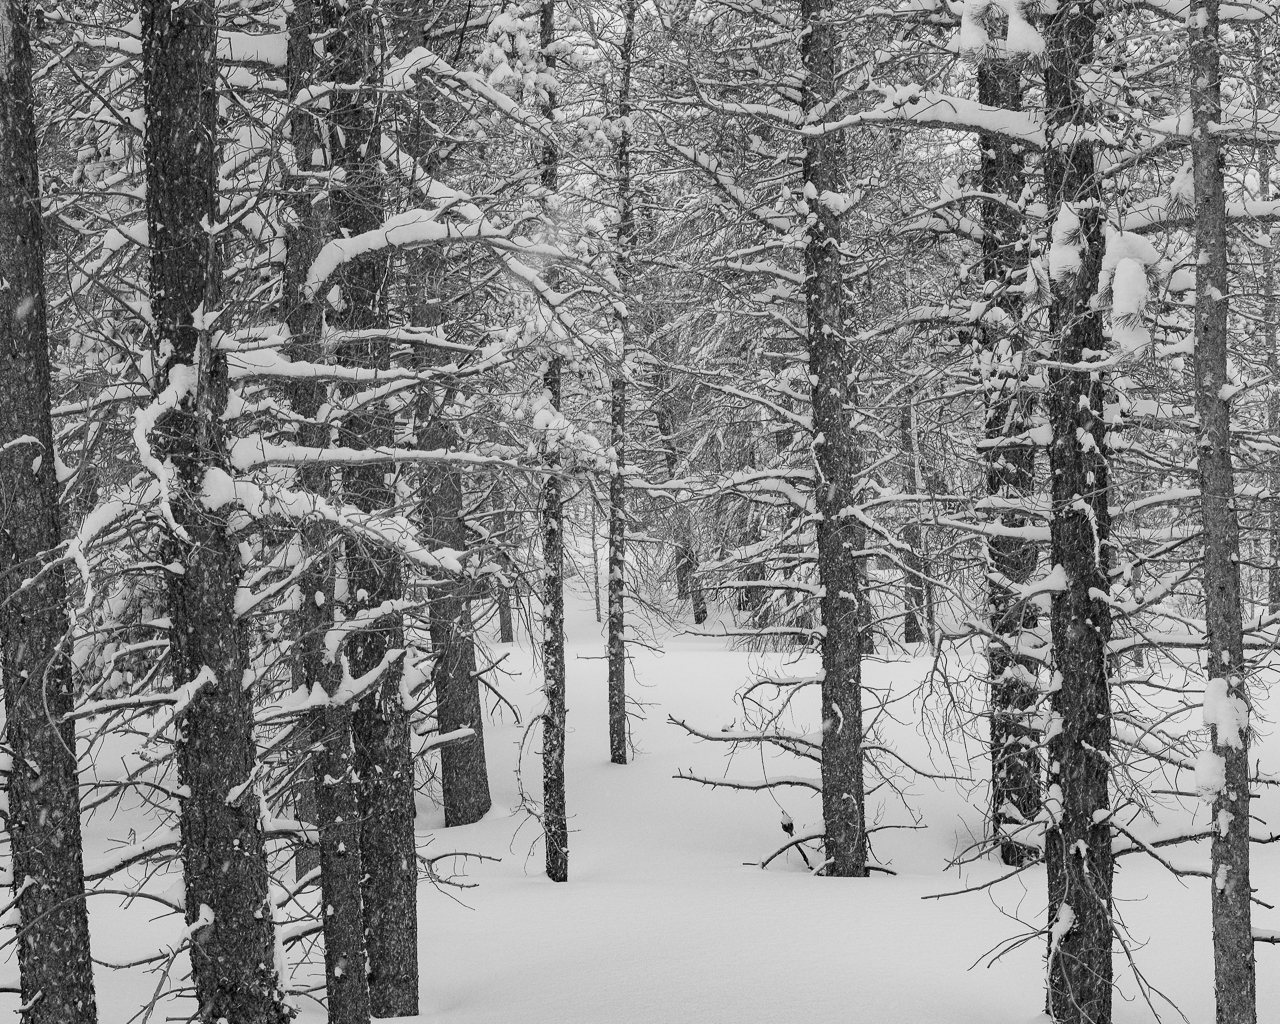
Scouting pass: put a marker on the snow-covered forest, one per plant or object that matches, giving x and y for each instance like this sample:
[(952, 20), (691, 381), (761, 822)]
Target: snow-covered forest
[(639, 511)]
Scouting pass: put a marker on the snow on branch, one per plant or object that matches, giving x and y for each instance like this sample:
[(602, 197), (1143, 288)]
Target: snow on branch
[(911, 104)]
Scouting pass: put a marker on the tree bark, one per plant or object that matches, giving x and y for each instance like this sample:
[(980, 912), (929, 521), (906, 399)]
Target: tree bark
[(913, 582), (223, 856), (1265, 40), (555, 822), (331, 793), (303, 240), (463, 766), (1078, 838), (688, 588), (502, 592), (1010, 475), (1226, 704), (383, 759), (841, 538), (54, 964), (618, 416)]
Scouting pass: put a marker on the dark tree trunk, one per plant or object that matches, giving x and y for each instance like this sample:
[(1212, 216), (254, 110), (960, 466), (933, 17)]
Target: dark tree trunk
[(502, 592), (618, 419), (223, 857), (1226, 704), (44, 786), (840, 538), (1010, 472), (338, 821), (464, 769), (1263, 65), (383, 760), (554, 810), (330, 792), (303, 241), (555, 822), (913, 583), (617, 568), (688, 587), (1078, 839)]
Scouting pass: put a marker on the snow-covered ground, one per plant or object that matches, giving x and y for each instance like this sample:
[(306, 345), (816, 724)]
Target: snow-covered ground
[(662, 921)]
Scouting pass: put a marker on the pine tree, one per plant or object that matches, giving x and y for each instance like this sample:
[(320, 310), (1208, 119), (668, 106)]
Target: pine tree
[(841, 538), (1078, 837), (1226, 700), (43, 782), (224, 863)]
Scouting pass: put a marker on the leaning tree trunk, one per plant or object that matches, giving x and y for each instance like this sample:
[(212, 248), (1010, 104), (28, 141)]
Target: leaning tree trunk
[(1078, 838), (1226, 702), (384, 762), (223, 858), (841, 538), (555, 822), (331, 788), (1010, 471), (618, 417), (44, 788)]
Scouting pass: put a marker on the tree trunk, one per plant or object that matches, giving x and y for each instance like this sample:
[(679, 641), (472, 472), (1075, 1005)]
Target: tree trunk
[(303, 240), (502, 593), (555, 822), (618, 418), (1226, 702), (223, 856), (44, 786), (1078, 839), (618, 566), (464, 768), (384, 763), (463, 765), (840, 538), (913, 595), (688, 587), (1010, 471), (331, 789), (1265, 40)]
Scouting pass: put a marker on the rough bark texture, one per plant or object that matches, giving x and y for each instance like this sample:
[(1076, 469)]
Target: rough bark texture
[(554, 813), (617, 652), (338, 821), (380, 722), (555, 822), (618, 420), (915, 613), (1265, 41), (44, 796), (441, 510), (1010, 474), (840, 537), (331, 795), (502, 593), (223, 859), (463, 766), (1077, 844), (688, 587), (303, 239), (1235, 985)]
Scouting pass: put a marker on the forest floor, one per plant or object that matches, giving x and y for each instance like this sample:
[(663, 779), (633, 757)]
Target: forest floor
[(662, 922)]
